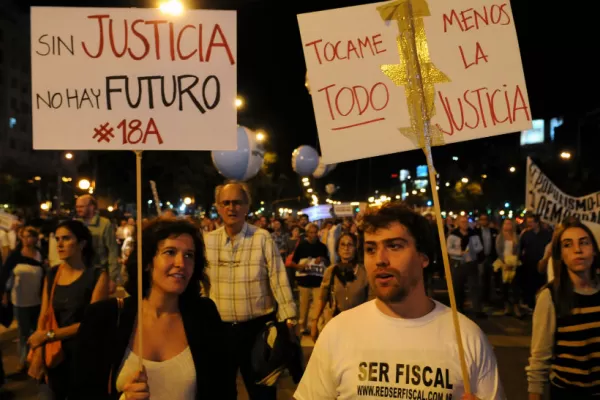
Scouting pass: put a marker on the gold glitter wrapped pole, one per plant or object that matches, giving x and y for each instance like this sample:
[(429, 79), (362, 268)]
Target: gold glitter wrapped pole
[(418, 75)]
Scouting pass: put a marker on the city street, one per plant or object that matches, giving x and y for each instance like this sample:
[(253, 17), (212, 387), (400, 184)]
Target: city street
[(509, 336)]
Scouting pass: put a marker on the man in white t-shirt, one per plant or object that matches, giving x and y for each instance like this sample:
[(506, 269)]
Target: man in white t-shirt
[(402, 344)]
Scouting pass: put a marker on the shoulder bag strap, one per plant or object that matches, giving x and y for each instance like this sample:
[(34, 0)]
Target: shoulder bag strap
[(120, 303)]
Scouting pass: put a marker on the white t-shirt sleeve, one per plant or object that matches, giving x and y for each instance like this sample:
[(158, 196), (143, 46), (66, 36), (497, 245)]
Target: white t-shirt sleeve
[(318, 381), (485, 377)]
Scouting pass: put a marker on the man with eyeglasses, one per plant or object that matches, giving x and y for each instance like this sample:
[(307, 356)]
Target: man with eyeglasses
[(249, 282)]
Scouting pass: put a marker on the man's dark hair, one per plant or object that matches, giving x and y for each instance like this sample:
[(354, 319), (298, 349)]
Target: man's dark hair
[(415, 223), (535, 217)]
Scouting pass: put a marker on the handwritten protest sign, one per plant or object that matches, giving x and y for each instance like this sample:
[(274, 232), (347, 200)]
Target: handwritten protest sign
[(545, 199), (123, 79), (359, 110)]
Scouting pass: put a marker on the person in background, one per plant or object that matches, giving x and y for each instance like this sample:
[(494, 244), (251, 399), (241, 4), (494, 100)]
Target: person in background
[(464, 247), (76, 284), (303, 221), (280, 237), (345, 285), (248, 281), (324, 231), (120, 234), (310, 259), (292, 243), (565, 336), (507, 248), (25, 269), (185, 351), (487, 236), (106, 251), (532, 244)]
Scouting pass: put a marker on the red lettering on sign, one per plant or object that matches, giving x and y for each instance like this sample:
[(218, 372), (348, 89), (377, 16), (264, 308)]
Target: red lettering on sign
[(499, 111), (470, 18), (347, 49), (151, 39)]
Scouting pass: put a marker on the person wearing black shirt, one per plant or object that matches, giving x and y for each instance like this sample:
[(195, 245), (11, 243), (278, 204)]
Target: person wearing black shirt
[(532, 245), (310, 260)]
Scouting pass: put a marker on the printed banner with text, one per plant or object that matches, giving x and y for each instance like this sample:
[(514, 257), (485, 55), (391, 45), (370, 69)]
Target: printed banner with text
[(131, 78), (544, 198), (471, 48)]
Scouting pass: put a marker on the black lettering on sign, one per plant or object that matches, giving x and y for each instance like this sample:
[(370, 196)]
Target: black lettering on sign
[(207, 98), (362, 371), (71, 98), (55, 45)]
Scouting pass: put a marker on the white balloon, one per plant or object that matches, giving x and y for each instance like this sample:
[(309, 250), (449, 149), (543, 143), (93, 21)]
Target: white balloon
[(330, 188)]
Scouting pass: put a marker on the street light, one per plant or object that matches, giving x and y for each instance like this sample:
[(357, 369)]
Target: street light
[(110, 208), (84, 184), (239, 102), (187, 201), (306, 183), (447, 184), (172, 7), (69, 156), (465, 180), (512, 170), (565, 155), (44, 206), (37, 178), (261, 136)]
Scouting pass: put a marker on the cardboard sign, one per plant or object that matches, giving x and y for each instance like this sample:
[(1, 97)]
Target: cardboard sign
[(553, 205), (130, 78), (360, 111)]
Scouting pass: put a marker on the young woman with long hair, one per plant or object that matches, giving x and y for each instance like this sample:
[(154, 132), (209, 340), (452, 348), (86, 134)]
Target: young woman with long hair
[(565, 344), (185, 354), (69, 288)]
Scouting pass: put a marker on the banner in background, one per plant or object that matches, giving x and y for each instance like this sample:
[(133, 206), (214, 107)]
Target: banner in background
[(544, 198)]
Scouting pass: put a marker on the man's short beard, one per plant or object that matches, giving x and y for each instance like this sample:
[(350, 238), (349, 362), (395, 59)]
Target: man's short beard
[(398, 293)]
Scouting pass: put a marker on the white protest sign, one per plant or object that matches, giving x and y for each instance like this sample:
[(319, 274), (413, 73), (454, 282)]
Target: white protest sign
[(359, 110), (131, 78), (7, 220), (343, 210), (545, 199)]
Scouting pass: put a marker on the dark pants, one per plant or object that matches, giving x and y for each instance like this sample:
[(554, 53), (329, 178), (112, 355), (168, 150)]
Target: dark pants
[(530, 281), (242, 336), (487, 281), (27, 318), (464, 274), (58, 380)]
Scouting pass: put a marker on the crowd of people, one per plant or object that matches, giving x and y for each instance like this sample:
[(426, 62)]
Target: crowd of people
[(216, 292)]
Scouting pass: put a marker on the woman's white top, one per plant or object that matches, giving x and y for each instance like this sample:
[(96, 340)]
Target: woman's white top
[(173, 379)]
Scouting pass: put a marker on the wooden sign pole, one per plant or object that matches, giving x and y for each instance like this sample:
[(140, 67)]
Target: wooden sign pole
[(418, 82), (140, 269)]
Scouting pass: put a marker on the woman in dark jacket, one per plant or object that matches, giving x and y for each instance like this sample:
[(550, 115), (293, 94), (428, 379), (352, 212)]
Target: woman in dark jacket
[(184, 352)]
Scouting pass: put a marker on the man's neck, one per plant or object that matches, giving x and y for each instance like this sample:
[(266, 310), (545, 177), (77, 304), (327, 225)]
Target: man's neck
[(233, 230), (415, 305), (464, 231)]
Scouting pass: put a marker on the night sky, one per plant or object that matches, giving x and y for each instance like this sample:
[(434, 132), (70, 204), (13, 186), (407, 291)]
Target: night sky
[(556, 44)]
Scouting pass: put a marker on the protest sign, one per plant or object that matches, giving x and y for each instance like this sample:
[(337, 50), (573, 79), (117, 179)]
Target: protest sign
[(130, 78), (469, 55), (545, 199)]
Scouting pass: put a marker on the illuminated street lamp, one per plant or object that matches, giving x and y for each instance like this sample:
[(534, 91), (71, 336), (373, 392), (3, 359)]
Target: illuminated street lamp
[(261, 136), (565, 155), (187, 201), (239, 102), (69, 156), (110, 208), (44, 206), (37, 178), (172, 7), (512, 170), (465, 180), (84, 184)]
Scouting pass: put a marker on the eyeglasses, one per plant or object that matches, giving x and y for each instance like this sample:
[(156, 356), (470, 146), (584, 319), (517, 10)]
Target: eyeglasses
[(232, 203)]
